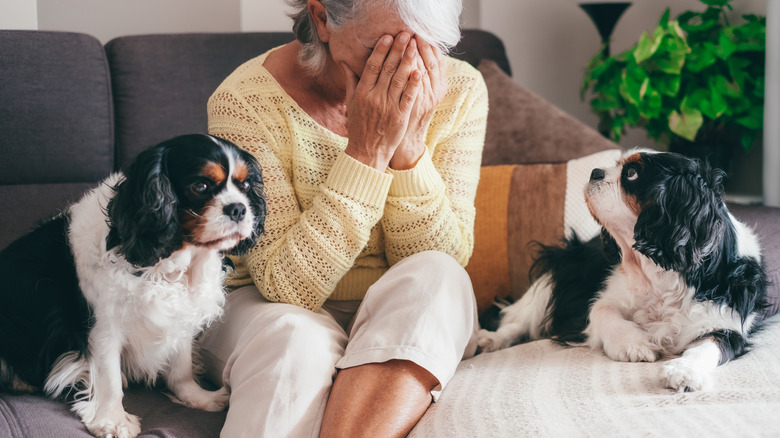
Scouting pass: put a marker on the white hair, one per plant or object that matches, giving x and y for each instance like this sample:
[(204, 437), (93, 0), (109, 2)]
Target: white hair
[(435, 21)]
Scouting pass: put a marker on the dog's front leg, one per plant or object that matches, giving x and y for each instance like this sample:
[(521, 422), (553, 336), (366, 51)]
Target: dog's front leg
[(621, 339), (181, 382), (102, 411), (692, 371)]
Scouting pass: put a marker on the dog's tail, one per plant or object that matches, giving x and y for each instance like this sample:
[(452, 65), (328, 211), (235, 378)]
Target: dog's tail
[(578, 271), (69, 373)]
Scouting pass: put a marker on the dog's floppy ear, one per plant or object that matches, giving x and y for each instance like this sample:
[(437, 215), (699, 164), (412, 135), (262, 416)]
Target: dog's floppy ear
[(143, 217), (683, 220), (257, 204)]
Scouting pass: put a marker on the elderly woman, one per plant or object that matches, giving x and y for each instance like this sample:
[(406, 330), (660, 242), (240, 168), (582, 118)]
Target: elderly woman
[(353, 310)]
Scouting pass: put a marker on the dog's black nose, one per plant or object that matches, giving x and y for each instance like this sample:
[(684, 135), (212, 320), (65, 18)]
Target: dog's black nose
[(235, 212), (597, 175)]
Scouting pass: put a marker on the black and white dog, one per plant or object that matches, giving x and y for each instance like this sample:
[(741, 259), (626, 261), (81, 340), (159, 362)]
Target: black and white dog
[(118, 285), (674, 274)]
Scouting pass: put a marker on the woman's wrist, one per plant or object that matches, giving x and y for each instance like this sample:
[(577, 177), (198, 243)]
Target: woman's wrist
[(377, 159), (407, 156)]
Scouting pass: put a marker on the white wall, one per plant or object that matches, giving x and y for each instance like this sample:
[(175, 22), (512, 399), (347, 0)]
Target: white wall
[(106, 19), (265, 15), (19, 14)]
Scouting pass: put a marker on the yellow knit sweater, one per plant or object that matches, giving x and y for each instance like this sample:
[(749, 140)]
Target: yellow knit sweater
[(335, 225)]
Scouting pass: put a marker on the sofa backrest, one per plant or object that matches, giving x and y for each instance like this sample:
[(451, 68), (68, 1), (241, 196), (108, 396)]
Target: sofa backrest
[(56, 120), (161, 83)]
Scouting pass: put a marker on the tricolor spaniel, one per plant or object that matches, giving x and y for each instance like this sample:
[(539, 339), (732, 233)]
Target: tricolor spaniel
[(117, 286), (674, 274)]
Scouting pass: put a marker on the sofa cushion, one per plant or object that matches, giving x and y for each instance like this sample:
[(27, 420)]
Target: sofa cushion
[(523, 128), (26, 416), (55, 108), (543, 389), (25, 205), (477, 45), (520, 204)]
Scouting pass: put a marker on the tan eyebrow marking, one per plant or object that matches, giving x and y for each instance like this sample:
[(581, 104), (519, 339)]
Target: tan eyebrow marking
[(214, 172), (633, 158), (241, 172)]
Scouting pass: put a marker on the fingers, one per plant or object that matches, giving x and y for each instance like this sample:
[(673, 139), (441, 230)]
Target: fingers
[(409, 96), (433, 61), (375, 62), (403, 75), (394, 62)]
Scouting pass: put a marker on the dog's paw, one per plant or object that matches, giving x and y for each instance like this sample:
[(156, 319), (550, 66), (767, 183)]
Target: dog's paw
[(199, 398), (682, 376), (489, 341), (628, 348), (218, 400), (125, 426)]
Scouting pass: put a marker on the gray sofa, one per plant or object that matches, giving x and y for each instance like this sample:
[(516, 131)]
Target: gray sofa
[(72, 111)]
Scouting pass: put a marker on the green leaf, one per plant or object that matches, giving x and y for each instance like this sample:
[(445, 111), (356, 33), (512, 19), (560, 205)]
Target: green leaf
[(738, 69), (753, 120), (701, 57), (670, 57), (725, 87), (668, 85), (687, 123), (664, 21), (726, 44), (648, 45), (651, 104), (741, 105), (694, 23), (633, 81), (605, 104), (754, 30), (708, 101)]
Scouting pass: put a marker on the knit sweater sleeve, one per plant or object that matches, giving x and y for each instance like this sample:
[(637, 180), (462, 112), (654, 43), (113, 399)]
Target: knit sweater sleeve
[(304, 252), (431, 206)]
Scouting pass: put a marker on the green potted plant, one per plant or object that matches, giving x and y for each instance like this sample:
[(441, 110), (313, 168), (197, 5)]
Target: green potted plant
[(695, 80)]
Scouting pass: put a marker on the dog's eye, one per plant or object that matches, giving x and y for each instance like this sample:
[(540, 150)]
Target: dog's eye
[(632, 174), (244, 185), (199, 187)]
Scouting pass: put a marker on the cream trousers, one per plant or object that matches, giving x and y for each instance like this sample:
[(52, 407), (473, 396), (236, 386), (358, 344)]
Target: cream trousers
[(279, 360)]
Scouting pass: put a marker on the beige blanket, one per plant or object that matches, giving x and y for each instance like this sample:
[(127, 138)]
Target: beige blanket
[(541, 389)]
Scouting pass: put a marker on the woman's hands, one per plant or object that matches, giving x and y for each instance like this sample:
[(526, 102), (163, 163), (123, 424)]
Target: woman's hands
[(391, 105), (431, 64)]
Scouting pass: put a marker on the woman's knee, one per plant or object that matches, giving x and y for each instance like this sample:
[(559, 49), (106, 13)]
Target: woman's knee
[(439, 277), (313, 342)]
